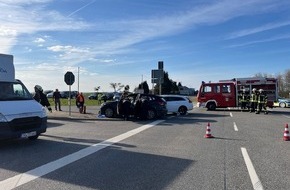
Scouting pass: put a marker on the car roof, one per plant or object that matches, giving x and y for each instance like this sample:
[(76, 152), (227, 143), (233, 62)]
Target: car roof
[(172, 95), (141, 94)]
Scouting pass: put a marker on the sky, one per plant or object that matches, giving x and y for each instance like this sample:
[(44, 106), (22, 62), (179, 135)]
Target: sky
[(121, 41)]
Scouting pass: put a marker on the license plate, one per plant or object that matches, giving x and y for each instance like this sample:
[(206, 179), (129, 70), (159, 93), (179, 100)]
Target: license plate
[(30, 134)]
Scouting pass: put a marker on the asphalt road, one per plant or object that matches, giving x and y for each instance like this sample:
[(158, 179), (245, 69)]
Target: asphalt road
[(82, 151)]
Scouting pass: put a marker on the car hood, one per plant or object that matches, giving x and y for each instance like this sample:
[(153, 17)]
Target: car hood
[(109, 103), (284, 100)]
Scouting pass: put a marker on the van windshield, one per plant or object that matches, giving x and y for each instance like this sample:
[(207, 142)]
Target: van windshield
[(14, 91)]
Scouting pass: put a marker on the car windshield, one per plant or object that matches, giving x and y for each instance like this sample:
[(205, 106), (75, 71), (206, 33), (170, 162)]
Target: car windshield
[(14, 91)]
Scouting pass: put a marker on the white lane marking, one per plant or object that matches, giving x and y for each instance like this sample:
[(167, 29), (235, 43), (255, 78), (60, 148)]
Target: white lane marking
[(33, 174), (231, 114), (286, 116), (253, 175), (235, 127)]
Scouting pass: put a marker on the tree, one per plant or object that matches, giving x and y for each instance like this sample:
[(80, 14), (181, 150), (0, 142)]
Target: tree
[(283, 82), (97, 88), (266, 75), (287, 83), (144, 86), (168, 87), (116, 86)]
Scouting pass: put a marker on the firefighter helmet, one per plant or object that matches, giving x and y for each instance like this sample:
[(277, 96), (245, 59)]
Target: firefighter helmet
[(254, 89), (38, 87), (261, 90)]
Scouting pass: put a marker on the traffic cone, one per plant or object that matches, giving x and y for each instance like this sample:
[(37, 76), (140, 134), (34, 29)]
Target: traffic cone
[(286, 133), (207, 133)]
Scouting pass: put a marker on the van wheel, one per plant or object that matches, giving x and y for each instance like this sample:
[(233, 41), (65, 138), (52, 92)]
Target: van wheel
[(211, 106), (182, 110), (33, 137)]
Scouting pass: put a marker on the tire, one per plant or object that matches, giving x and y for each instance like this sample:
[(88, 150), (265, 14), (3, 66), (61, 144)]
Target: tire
[(211, 106), (33, 137), (282, 105), (151, 114), (109, 112), (182, 110)]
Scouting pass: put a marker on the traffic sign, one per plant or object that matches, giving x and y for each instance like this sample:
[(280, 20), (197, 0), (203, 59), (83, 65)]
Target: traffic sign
[(157, 80), (157, 73), (69, 78)]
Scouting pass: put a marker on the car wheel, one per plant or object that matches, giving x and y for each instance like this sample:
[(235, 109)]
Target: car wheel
[(182, 110), (109, 112), (33, 137), (282, 105), (151, 114)]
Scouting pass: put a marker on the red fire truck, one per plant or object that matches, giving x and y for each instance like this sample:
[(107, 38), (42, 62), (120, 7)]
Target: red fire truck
[(225, 93)]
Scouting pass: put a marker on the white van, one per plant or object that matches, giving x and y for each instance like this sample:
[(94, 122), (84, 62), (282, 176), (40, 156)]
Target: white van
[(20, 115)]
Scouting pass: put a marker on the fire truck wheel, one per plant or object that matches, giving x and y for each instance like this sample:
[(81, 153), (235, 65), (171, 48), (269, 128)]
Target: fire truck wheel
[(211, 106)]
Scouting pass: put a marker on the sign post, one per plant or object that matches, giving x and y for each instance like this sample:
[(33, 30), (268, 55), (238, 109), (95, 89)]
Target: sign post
[(157, 76), (69, 79)]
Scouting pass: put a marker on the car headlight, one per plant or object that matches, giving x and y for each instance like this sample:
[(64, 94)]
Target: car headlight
[(43, 112), (2, 118)]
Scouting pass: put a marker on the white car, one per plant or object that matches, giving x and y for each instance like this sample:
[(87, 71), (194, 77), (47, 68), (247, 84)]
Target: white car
[(178, 104)]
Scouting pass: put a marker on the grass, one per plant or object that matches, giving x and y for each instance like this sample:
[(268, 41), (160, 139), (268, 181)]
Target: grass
[(65, 102)]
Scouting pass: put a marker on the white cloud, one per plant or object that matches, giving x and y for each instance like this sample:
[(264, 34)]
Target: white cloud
[(274, 38), (130, 32), (39, 40), (17, 18), (23, 2), (263, 28), (68, 49)]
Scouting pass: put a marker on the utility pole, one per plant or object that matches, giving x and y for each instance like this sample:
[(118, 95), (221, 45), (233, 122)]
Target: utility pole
[(78, 79)]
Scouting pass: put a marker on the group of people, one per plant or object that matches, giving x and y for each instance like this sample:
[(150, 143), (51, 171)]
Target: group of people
[(254, 102), (40, 97), (137, 106)]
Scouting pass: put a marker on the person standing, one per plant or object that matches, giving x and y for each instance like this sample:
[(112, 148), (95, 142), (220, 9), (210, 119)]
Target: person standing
[(100, 98), (254, 100), (41, 98), (56, 97), (124, 104), (244, 99), (80, 101), (262, 102)]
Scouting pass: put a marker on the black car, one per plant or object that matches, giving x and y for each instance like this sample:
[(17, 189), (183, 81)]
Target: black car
[(65, 94), (93, 96), (155, 107)]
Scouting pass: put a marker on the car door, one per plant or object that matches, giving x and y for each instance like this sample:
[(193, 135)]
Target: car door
[(172, 103), (228, 95)]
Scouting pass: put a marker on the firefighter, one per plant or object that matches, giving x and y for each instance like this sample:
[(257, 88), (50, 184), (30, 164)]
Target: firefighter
[(244, 99), (262, 102), (124, 104), (41, 98), (254, 100)]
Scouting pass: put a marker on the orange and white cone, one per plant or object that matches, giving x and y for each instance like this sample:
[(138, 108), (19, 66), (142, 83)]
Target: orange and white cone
[(207, 133), (286, 133)]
